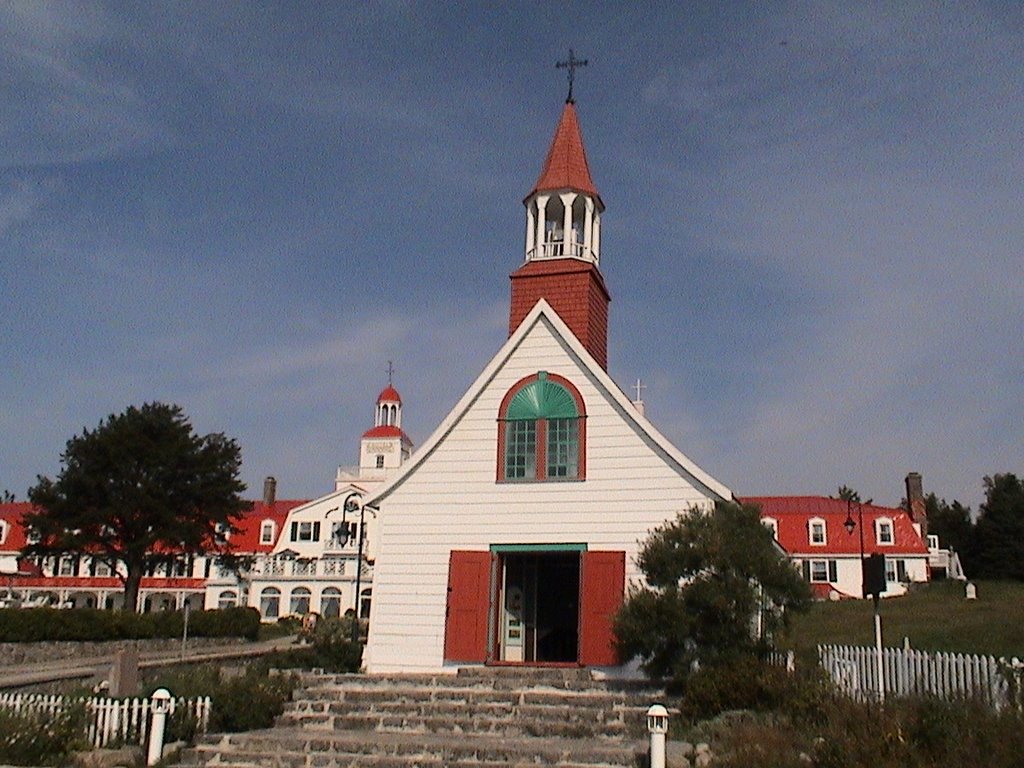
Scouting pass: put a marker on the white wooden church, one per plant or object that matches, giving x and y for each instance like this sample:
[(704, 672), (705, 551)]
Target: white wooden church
[(510, 535)]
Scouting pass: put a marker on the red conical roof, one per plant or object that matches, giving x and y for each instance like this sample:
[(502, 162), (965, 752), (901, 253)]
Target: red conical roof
[(389, 395), (566, 165)]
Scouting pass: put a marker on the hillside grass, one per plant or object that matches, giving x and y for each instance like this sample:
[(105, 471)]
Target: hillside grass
[(934, 617)]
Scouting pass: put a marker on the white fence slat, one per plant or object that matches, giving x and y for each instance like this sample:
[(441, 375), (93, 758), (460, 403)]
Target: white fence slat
[(110, 720), (908, 672)]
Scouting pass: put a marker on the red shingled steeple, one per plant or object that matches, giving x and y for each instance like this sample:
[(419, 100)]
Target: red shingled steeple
[(566, 164), (563, 239)]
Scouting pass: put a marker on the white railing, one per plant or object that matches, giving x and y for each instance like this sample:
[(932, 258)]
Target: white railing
[(906, 672), (109, 720), (557, 249)]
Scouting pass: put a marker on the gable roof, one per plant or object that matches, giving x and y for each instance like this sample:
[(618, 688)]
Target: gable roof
[(792, 514), (542, 311), (566, 164)]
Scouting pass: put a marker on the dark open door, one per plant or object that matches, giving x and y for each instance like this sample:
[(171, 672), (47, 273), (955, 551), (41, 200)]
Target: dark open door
[(602, 590), (465, 626)]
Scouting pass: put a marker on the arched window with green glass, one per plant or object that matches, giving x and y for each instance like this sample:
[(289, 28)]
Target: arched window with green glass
[(541, 431)]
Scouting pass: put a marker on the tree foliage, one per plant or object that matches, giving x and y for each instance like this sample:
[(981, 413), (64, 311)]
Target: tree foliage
[(950, 522), (998, 547), (138, 491), (708, 575)]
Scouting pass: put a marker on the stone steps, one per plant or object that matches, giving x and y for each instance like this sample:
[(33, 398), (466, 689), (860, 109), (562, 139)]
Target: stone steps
[(488, 717), (299, 748)]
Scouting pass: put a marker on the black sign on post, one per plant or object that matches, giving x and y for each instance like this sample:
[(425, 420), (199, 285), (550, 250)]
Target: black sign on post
[(873, 571)]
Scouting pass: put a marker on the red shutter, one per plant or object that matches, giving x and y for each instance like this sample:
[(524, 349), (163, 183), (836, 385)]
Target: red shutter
[(603, 587), (465, 626)]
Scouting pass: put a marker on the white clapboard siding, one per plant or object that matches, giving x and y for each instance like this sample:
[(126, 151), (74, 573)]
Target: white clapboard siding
[(109, 720), (448, 498), (907, 672)]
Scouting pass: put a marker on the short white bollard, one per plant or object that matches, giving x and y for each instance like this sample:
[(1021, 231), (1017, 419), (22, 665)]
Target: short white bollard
[(162, 703), (657, 725)]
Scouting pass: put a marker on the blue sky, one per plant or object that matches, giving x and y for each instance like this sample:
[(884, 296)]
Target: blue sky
[(813, 232)]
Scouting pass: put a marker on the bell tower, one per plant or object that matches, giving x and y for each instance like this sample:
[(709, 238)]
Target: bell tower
[(563, 240)]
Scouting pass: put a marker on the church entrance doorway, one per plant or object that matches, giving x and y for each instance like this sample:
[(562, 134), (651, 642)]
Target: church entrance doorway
[(530, 604), (538, 607)]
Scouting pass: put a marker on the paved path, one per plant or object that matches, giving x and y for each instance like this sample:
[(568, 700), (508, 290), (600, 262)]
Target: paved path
[(38, 673)]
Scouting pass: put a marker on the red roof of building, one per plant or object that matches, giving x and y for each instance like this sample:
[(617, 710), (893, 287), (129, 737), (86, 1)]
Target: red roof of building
[(387, 430), (566, 164), (793, 513), (14, 532), (389, 395), (245, 541)]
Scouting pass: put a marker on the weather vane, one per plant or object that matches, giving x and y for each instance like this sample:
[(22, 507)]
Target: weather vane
[(391, 370), (571, 64)]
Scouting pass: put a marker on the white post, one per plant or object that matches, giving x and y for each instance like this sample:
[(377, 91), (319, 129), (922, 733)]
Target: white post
[(657, 725), (878, 653), (162, 704)]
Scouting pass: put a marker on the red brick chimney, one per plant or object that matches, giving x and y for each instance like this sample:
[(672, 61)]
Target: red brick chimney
[(915, 503)]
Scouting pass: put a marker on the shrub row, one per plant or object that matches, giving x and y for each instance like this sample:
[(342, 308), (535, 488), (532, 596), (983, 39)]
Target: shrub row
[(26, 625)]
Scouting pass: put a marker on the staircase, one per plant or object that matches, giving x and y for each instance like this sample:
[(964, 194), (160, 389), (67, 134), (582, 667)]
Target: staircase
[(487, 717)]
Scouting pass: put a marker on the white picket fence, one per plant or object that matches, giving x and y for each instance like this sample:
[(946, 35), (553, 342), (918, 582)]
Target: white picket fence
[(906, 672), (111, 721)]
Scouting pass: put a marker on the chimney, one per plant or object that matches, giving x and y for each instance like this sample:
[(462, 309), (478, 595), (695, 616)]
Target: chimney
[(915, 502), (269, 491)]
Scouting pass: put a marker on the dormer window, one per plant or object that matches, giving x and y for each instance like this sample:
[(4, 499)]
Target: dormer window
[(772, 525), (3, 531), (883, 531), (541, 431), (816, 532), (306, 531), (267, 532)]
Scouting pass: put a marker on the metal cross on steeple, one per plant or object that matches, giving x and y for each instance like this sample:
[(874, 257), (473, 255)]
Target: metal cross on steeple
[(571, 63)]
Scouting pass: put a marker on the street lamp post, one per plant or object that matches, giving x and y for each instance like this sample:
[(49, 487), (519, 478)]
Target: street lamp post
[(353, 502), (865, 585)]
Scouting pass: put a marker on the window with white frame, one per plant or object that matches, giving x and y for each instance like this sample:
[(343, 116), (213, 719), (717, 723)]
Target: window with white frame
[(820, 571), (270, 602), (305, 531), (896, 570), (300, 600), (227, 599), (3, 531), (883, 530), (267, 532), (933, 541), (816, 531), (68, 566), (772, 525)]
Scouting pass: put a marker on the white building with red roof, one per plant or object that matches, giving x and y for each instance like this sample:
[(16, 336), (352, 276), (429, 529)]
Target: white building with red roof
[(298, 556), (825, 538)]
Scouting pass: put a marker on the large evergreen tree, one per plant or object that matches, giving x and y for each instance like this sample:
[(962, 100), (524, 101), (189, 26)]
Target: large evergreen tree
[(950, 522), (137, 491), (998, 548), (709, 575)]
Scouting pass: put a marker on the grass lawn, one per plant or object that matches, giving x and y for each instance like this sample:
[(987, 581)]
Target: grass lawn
[(935, 617)]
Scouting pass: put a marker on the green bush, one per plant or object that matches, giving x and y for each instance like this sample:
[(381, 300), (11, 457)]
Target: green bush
[(250, 700), (27, 625), (331, 648), (750, 684), (28, 738)]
